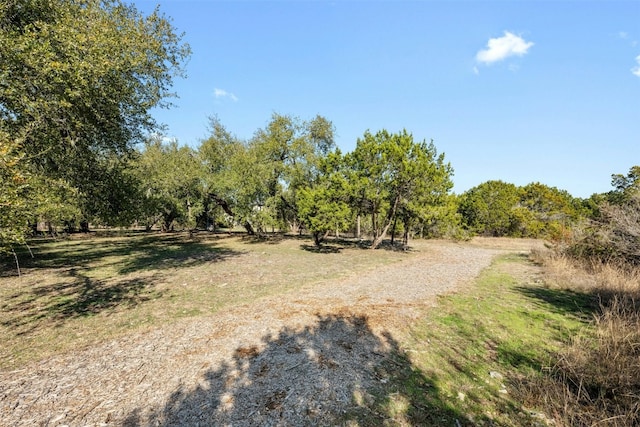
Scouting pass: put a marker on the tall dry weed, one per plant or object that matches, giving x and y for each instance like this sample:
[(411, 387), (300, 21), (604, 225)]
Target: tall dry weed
[(596, 378)]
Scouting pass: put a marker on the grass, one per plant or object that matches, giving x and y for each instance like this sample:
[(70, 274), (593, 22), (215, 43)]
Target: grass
[(508, 351), (468, 357), (83, 290), (596, 378)]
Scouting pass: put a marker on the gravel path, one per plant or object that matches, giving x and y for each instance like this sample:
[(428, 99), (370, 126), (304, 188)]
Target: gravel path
[(294, 359)]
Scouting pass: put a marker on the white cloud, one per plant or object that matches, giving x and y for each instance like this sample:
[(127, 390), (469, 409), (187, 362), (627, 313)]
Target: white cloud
[(221, 93), (623, 35), (503, 47), (636, 70)]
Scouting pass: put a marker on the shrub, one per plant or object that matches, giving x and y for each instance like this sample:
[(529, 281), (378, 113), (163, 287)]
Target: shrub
[(613, 237)]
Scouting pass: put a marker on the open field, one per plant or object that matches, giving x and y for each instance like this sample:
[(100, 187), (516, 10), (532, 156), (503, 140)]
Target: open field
[(79, 292), (167, 330)]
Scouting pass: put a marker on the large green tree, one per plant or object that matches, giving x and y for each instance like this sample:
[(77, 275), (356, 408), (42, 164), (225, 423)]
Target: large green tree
[(489, 208), (545, 211), (257, 181), (290, 151), (172, 184), (77, 83), (219, 154), (396, 177), (323, 205)]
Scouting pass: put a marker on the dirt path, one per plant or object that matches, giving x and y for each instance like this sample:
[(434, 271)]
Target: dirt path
[(305, 358)]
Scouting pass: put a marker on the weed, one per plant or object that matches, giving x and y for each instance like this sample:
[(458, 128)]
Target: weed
[(595, 379)]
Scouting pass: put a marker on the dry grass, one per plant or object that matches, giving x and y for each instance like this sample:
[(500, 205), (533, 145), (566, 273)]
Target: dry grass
[(596, 380), (294, 345), (84, 290)]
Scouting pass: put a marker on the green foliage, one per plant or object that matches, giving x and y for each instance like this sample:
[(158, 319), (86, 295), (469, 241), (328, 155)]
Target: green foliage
[(257, 182), (171, 179), (442, 220), (14, 196), (77, 82), (487, 208), (222, 157), (24, 196), (550, 212), (497, 208), (393, 176), (626, 186), (290, 151), (323, 207)]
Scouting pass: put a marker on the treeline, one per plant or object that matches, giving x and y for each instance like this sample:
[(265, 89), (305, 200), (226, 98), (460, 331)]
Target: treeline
[(291, 177)]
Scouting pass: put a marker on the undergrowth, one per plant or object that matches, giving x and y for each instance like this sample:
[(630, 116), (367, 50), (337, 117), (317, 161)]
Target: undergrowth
[(595, 379)]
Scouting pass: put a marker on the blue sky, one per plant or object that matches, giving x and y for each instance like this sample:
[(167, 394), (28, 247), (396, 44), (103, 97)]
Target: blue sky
[(522, 91)]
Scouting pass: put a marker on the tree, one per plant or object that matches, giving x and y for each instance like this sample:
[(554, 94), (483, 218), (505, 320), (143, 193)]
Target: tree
[(392, 174), (442, 220), (488, 208), (614, 232), (15, 196), (549, 211), (219, 155), (257, 182), (290, 150), (22, 194), (626, 186), (77, 82), (324, 205), (172, 184)]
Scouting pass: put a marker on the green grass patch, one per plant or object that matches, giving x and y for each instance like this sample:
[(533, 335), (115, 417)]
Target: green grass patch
[(468, 355)]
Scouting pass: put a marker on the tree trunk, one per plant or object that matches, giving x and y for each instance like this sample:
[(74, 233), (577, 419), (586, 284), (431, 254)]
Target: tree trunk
[(374, 225), (222, 203), (358, 228), (390, 218), (249, 228), (405, 236), (34, 227), (393, 230)]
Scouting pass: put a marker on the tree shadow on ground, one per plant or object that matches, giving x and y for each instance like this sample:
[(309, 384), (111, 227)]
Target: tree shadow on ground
[(581, 306), (90, 276), (80, 297), (127, 254), (323, 249), (335, 372), (330, 244)]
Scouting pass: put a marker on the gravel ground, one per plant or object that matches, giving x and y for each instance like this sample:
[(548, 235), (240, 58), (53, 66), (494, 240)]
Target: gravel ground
[(304, 358)]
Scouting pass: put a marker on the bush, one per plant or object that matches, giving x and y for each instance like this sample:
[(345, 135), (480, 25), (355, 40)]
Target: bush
[(596, 378), (613, 237)]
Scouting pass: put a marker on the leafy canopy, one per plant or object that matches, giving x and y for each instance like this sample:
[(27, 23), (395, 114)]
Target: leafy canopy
[(77, 82)]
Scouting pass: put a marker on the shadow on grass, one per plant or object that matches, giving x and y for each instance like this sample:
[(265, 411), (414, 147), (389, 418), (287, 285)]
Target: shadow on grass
[(334, 244), (129, 268), (324, 249), (335, 372), (581, 306), (130, 253), (82, 297)]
